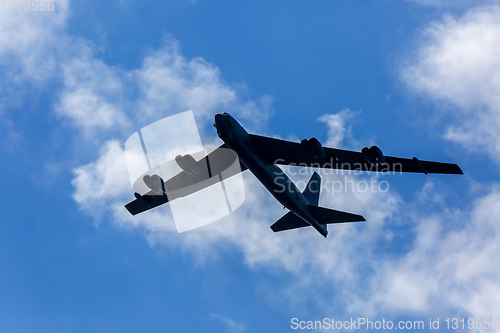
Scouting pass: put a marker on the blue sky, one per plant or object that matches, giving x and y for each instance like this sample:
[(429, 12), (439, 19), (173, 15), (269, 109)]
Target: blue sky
[(417, 78)]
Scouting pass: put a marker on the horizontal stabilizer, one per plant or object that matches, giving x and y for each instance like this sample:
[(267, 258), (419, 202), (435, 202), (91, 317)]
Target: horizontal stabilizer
[(145, 202), (135, 207), (289, 221), (329, 216)]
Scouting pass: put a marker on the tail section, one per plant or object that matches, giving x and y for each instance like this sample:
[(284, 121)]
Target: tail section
[(320, 216), (323, 216), (292, 221), (311, 192)]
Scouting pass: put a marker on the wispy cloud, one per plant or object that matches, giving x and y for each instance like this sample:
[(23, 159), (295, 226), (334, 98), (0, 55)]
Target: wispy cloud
[(449, 264), (457, 67), (28, 43), (170, 82), (230, 325), (446, 3), (339, 132), (93, 97), (457, 63)]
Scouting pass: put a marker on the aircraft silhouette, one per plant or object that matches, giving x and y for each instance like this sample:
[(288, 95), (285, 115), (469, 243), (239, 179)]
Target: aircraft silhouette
[(262, 155)]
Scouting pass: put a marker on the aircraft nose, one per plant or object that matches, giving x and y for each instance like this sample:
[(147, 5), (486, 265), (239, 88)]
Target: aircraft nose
[(221, 117)]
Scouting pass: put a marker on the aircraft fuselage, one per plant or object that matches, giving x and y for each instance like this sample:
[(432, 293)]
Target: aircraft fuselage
[(267, 172)]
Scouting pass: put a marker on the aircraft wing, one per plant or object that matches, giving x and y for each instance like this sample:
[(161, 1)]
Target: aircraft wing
[(213, 168), (293, 153)]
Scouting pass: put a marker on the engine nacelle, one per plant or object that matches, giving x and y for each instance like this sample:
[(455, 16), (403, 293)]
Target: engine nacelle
[(188, 164), (314, 147), (154, 182), (373, 155)]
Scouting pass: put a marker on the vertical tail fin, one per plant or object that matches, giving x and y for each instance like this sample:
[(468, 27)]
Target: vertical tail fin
[(311, 192)]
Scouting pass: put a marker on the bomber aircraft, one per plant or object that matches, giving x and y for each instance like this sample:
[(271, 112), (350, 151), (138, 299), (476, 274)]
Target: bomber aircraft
[(262, 155)]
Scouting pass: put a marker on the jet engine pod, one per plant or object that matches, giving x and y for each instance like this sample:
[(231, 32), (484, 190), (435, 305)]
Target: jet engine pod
[(154, 182), (314, 147), (379, 156), (188, 164), (373, 155)]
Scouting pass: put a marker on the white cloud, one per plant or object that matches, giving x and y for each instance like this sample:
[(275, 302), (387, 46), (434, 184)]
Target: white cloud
[(98, 97), (338, 130), (28, 40), (170, 83), (452, 263), (457, 62), (35, 47), (449, 3), (104, 181), (93, 96), (89, 110)]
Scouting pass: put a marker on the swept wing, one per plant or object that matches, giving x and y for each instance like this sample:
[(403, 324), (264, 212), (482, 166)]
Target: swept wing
[(212, 168), (292, 153)]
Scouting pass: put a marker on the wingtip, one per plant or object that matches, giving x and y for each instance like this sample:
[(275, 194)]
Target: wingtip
[(360, 218)]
